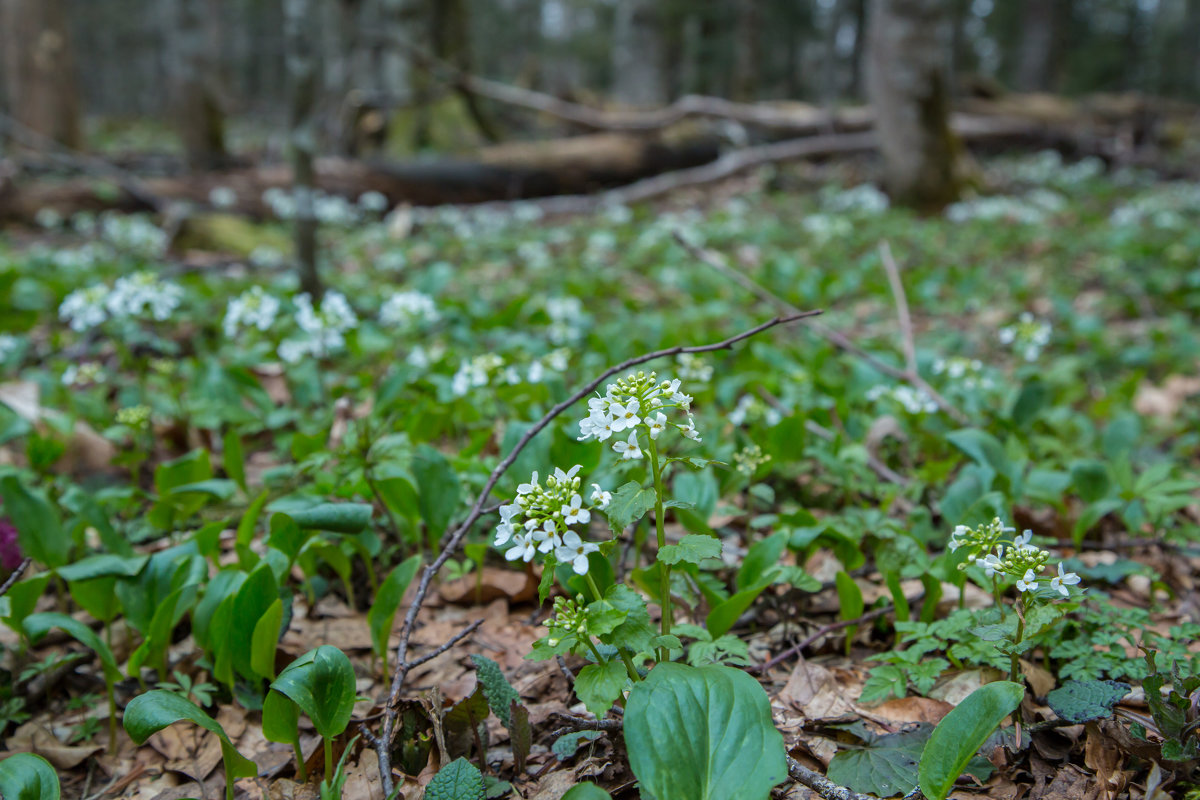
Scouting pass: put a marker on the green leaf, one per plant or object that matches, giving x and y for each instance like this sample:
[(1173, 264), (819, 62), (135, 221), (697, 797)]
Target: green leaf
[(334, 517), (883, 765), (25, 776), (496, 688), (39, 529), (628, 505), (585, 791), (245, 528), (886, 681), (149, 713), (1090, 479), (103, 565), (153, 649), (1083, 701), (382, 613), (599, 685), (38, 625), (235, 458), (97, 597), (264, 640), (680, 723), (693, 548), (458, 780), (1029, 402), (962, 732), (255, 596), (1121, 436), (983, 448), (520, 734), (635, 633), (218, 488), (438, 488), (725, 615), (762, 558), (566, 745), (851, 600), (280, 718), (321, 682)]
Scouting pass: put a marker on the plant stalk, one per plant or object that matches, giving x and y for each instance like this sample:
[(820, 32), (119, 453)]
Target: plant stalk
[(664, 569)]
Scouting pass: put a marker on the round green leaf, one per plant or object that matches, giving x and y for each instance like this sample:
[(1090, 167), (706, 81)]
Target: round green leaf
[(26, 776), (321, 682), (334, 517), (149, 713), (703, 733), (458, 780), (37, 625), (962, 732), (1083, 701), (586, 791)]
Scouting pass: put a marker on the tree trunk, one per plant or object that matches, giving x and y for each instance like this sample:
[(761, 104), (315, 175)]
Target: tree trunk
[(907, 83), (1035, 53), (192, 75), (746, 51), (638, 75), (302, 73), (39, 69)]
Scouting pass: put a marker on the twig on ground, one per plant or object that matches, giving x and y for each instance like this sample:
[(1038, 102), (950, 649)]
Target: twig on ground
[(574, 723), (15, 576), (820, 784), (458, 637), (906, 327), (453, 540), (566, 672), (838, 340), (823, 631)]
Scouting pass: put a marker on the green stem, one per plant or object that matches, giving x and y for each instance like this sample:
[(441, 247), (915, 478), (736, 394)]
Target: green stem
[(301, 772), (1014, 659), (112, 719), (624, 653), (664, 569), (328, 759)]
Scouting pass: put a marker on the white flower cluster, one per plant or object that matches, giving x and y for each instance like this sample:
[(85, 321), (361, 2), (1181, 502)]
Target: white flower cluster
[(328, 209), (474, 373), (9, 344), (749, 459), (1171, 206), (751, 409), (403, 308), (88, 372), (1047, 167), (1016, 557), (222, 197), (1032, 209), (1027, 337), (566, 316), (968, 372), (636, 401), (253, 308), (549, 512), (865, 198), (48, 218), (323, 330), (601, 248), (133, 234), (824, 227), (373, 202), (534, 255), (693, 368), (914, 401), (141, 295)]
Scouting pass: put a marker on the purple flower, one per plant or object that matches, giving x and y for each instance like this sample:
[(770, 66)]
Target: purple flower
[(10, 552)]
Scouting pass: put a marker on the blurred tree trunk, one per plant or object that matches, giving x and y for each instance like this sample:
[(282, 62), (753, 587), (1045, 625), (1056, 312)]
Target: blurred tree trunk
[(746, 51), (300, 44), (859, 12), (1041, 27), (638, 75), (192, 75), (39, 69), (907, 83), (452, 43)]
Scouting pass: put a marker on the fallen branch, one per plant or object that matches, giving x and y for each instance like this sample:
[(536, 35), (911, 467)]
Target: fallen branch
[(820, 784), (15, 576), (838, 340), (454, 539), (824, 630)]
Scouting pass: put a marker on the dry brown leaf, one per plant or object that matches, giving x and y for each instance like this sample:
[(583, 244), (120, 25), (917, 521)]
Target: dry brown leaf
[(492, 584), (913, 709), (362, 778), (816, 692), (349, 633), (37, 737), (1102, 755), (1165, 401), (957, 686), (1040, 680), (86, 450)]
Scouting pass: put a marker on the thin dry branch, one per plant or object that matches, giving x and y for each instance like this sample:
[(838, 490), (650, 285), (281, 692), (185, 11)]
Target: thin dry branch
[(820, 784), (452, 542), (15, 576), (824, 630), (837, 339), (906, 326)]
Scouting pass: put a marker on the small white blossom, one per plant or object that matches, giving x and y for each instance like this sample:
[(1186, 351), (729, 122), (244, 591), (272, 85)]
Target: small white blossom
[(991, 564), (629, 449), (574, 551), (84, 308), (1027, 583), (624, 416), (656, 424), (600, 497), (573, 512), (523, 548), (527, 488), (689, 430), (407, 307), (253, 308), (1060, 582)]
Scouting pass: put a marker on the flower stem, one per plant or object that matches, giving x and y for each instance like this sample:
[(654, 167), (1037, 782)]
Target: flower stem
[(664, 569), (625, 657)]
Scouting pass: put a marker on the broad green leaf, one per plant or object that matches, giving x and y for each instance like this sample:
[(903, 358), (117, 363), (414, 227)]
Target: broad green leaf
[(39, 528), (680, 723), (26, 776), (149, 713), (585, 791), (97, 597), (635, 633), (762, 557), (264, 640), (962, 732), (599, 685), (38, 625), (725, 615), (321, 682), (851, 600), (85, 505), (235, 458), (153, 649), (628, 505), (1121, 436), (438, 488), (1029, 402), (217, 488), (496, 688), (565, 746), (1083, 701), (280, 718), (984, 449), (458, 780), (245, 528), (1090, 479), (883, 765), (334, 517), (255, 596), (21, 601), (693, 548), (382, 614), (286, 536), (224, 584), (103, 565)]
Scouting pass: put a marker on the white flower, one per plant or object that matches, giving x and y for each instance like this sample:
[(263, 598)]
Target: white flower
[(1029, 582), (1022, 542), (142, 294), (629, 449), (84, 308), (689, 430), (1063, 580), (526, 488), (624, 416), (547, 536), (406, 307), (504, 532), (522, 548), (253, 308), (573, 512), (561, 478), (600, 497), (990, 564), (657, 424), (574, 551)]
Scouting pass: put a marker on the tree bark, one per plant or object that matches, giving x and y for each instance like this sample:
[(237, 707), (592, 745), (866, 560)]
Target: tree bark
[(302, 73), (638, 75), (746, 51), (192, 75), (908, 86), (39, 69), (1039, 37)]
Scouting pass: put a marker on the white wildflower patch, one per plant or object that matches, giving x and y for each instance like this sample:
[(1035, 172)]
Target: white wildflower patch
[(1027, 337), (406, 308), (322, 330), (253, 308)]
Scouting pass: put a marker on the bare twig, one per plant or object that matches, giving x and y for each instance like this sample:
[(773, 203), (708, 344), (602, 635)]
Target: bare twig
[(566, 672), (822, 631), (453, 540), (458, 637), (820, 784), (838, 340), (906, 327), (15, 576)]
